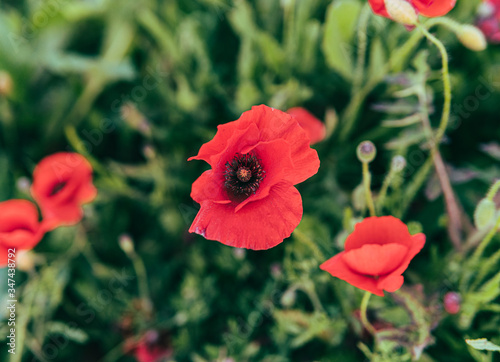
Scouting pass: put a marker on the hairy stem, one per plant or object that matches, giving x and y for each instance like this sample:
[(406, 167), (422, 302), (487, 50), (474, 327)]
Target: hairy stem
[(368, 192), (452, 207), (364, 319)]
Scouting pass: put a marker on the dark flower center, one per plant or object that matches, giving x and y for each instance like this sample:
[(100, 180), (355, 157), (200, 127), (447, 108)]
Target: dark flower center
[(58, 187), (243, 174)]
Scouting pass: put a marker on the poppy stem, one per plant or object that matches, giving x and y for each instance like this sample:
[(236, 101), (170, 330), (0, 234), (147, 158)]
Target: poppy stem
[(493, 190), (362, 44), (383, 190), (484, 243), (368, 193), (452, 206), (364, 319), (446, 84), (142, 281)]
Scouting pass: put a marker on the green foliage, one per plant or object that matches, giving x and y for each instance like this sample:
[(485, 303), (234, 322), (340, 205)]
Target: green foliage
[(138, 87)]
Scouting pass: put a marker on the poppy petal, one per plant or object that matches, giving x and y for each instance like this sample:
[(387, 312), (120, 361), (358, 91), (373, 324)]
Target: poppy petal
[(434, 8), (279, 214), (19, 227), (209, 187), (18, 214), (230, 138), (62, 183), (374, 259), (338, 268), (277, 163), (391, 283), (387, 282), (378, 7), (315, 129), (275, 124), (378, 230)]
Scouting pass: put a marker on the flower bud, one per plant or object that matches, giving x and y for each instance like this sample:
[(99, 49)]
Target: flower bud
[(401, 11), (149, 152), (484, 214), (359, 198), (6, 83), (239, 253), (452, 302), (366, 151), (398, 163), (276, 270), (472, 38), (414, 227), (126, 244), (25, 260), (288, 298), (23, 184), (135, 119)]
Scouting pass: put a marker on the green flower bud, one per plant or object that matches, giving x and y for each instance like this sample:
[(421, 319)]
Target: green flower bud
[(484, 214), (126, 244), (359, 198), (398, 163), (288, 298), (366, 151), (471, 37), (414, 227)]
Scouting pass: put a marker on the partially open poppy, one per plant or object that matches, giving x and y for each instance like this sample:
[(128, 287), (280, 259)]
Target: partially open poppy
[(19, 227), (376, 254), (427, 8), (247, 198), (62, 183), (314, 128)]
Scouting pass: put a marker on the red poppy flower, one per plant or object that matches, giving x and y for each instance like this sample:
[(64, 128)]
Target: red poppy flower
[(428, 8), (489, 20), (248, 199), (376, 254), (19, 227), (315, 129), (62, 183)]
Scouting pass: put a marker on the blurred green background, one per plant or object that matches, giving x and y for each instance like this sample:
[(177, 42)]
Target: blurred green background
[(138, 86)]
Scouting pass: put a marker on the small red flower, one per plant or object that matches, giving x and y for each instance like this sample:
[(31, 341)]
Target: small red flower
[(489, 20), (314, 128), (152, 347), (376, 254), (247, 198), (62, 183), (19, 227), (427, 8)]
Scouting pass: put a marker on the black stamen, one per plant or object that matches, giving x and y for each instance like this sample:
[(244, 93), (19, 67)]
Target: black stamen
[(58, 187), (243, 174)]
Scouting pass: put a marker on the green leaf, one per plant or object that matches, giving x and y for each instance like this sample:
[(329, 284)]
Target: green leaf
[(340, 27), (482, 344), (378, 59), (71, 332)]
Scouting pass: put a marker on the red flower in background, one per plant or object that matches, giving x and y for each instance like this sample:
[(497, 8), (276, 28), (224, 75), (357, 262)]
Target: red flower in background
[(19, 227), (153, 347), (489, 20), (247, 198), (62, 183), (428, 8), (314, 128), (376, 254)]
